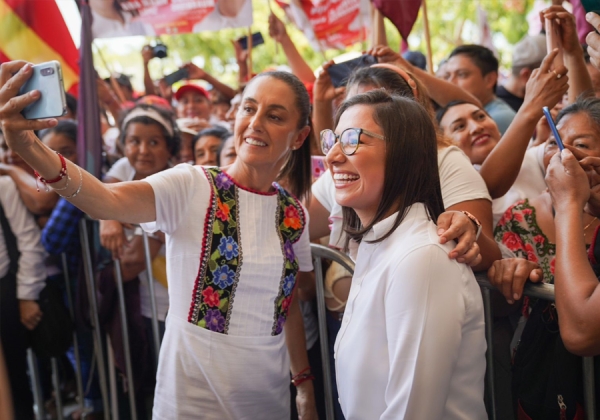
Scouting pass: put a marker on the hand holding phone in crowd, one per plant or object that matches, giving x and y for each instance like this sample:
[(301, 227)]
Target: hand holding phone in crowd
[(47, 79)]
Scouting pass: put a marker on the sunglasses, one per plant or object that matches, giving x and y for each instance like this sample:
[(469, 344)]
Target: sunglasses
[(349, 140)]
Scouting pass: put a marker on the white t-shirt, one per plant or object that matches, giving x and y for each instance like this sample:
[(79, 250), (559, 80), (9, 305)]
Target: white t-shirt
[(412, 341), (530, 182), (243, 371), (121, 170), (215, 21), (459, 182), (31, 273), (109, 28)]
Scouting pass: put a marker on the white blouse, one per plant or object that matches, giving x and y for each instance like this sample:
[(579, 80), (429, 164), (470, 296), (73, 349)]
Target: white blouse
[(412, 343)]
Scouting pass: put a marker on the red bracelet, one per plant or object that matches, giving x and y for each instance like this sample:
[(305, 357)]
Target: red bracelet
[(298, 379), (61, 174), (306, 369)]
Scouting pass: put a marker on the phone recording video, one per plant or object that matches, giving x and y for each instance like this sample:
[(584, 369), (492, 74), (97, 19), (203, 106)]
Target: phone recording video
[(48, 80), (176, 76), (559, 142), (340, 72)]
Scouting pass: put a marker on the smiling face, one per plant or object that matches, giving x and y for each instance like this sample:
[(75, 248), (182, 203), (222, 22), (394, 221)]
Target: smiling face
[(266, 125), (359, 178), (472, 130), (146, 148), (193, 105), (577, 130)]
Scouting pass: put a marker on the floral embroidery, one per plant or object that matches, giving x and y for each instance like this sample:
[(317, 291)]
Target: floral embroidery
[(518, 231), (221, 259), (211, 297), (223, 212), (290, 225), (292, 218)]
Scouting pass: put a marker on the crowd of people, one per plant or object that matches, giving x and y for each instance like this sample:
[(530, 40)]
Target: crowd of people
[(427, 179)]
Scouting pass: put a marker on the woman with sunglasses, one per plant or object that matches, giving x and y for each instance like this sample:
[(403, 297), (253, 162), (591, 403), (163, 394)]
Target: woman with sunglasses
[(411, 309), (235, 241)]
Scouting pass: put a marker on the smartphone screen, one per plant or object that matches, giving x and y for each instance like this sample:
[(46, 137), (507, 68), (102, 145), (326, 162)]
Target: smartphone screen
[(561, 146), (553, 41), (47, 79), (174, 77), (318, 166), (340, 72), (257, 39)]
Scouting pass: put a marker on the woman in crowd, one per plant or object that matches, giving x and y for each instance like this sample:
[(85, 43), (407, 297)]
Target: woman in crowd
[(227, 153), (429, 339), (207, 143), (575, 280), (220, 358)]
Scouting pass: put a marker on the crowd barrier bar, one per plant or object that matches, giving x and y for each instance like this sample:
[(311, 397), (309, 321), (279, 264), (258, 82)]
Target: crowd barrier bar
[(78, 379), (154, 313), (541, 291), (91, 288), (126, 348), (57, 393), (38, 399), (318, 253)]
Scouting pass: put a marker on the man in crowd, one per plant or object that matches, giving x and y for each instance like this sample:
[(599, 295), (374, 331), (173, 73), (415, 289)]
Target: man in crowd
[(475, 69), (527, 56)]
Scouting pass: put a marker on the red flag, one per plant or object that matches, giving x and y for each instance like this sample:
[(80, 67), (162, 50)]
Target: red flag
[(402, 13), (35, 31)]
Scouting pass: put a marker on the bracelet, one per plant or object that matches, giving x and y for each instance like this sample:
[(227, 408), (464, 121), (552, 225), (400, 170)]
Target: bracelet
[(61, 174), (475, 221), (298, 379), (78, 188)]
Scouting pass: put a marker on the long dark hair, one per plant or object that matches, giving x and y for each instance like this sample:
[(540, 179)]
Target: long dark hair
[(411, 167), (296, 171)]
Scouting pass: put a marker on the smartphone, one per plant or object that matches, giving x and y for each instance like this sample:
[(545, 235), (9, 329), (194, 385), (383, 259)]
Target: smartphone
[(553, 41), (175, 77), (46, 78), (318, 166), (257, 39), (561, 146), (340, 72)]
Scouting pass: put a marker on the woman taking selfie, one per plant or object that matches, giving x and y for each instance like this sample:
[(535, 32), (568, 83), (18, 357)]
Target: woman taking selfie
[(411, 309), (228, 234)]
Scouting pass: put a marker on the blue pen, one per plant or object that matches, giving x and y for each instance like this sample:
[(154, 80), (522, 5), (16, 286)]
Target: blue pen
[(561, 146)]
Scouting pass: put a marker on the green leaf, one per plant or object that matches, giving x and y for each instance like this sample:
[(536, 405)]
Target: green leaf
[(223, 303)]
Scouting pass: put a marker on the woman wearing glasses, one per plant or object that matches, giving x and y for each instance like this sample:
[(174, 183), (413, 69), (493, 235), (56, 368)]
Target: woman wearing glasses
[(235, 243), (412, 343)]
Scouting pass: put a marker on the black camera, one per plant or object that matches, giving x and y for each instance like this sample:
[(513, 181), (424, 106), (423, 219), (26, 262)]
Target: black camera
[(159, 51)]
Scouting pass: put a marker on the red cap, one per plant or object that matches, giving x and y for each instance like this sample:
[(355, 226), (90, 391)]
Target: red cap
[(191, 88)]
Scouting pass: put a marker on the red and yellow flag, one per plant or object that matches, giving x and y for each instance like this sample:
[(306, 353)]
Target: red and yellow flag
[(35, 31)]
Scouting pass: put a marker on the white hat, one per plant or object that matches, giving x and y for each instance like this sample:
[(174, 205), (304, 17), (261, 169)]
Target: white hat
[(530, 51)]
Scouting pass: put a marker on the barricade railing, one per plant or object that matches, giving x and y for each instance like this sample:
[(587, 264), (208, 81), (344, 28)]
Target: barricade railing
[(541, 291)]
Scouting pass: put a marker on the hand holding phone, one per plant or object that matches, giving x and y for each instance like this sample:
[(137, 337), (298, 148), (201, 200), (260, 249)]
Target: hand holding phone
[(47, 79), (340, 72), (176, 76), (561, 146), (257, 39)]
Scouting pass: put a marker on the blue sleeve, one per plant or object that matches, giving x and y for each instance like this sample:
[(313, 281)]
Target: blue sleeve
[(61, 228)]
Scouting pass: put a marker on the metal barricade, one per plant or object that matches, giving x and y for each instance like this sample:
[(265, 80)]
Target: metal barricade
[(320, 252), (542, 291)]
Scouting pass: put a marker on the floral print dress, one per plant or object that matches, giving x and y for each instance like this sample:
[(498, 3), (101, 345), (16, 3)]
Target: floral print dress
[(518, 230)]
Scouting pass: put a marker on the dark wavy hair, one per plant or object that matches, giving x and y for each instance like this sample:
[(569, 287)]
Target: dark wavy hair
[(173, 142), (67, 128), (410, 162), (296, 171)]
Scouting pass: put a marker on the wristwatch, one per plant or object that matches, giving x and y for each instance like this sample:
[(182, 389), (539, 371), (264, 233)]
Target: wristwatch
[(476, 222)]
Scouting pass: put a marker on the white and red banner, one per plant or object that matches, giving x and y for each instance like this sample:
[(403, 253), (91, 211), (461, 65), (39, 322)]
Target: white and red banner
[(329, 23), (157, 17)]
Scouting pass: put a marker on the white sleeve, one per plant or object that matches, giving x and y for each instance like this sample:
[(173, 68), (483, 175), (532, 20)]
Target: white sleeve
[(121, 170), (31, 275), (173, 192), (458, 178), (302, 246), (424, 313), (324, 190)]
